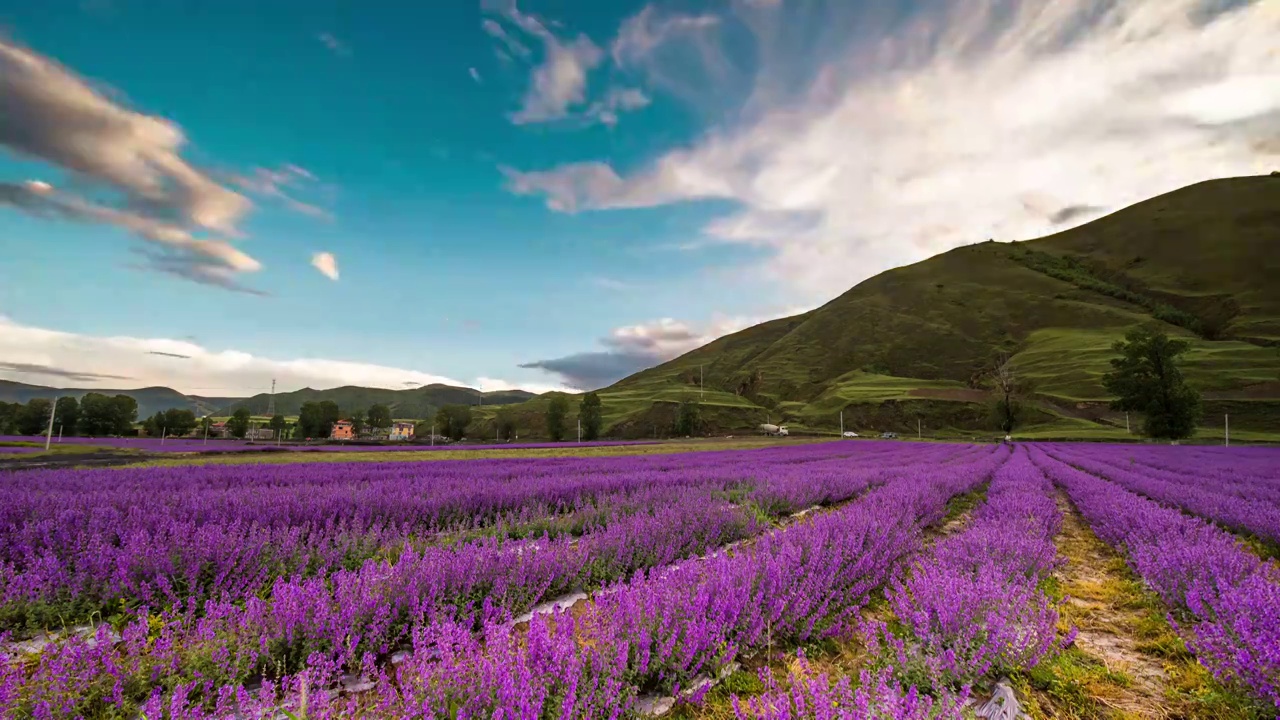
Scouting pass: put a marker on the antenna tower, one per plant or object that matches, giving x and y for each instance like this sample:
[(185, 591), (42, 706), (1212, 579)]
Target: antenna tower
[(271, 403)]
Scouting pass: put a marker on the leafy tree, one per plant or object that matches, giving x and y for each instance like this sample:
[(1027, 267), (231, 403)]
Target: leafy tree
[(124, 412), (592, 416), (66, 415), (33, 419), (97, 415), (358, 422), (506, 425), (330, 413), (179, 422), (9, 417), (277, 425), (1146, 379), (379, 417), (206, 422), (154, 425), (688, 418), (309, 419), (452, 421), (1009, 389), (557, 414), (238, 424)]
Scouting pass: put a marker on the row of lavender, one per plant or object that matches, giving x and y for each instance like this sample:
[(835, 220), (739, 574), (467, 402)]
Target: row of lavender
[(972, 607), (658, 630), (1224, 597), (1244, 497), (77, 541), (218, 445)]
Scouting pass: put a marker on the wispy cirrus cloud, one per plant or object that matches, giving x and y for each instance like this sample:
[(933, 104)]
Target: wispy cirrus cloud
[(869, 140), (335, 46), (559, 86)]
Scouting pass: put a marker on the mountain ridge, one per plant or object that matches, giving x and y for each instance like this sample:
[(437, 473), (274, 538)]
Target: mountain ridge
[(410, 403)]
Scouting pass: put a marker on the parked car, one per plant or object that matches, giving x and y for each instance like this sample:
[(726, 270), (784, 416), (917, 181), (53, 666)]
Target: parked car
[(850, 433), (889, 436)]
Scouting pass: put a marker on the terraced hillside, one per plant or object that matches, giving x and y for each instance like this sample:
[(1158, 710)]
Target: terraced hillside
[(909, 344)]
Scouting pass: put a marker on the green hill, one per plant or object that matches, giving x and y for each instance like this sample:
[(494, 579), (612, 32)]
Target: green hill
[(1202, 262), (413, 403)]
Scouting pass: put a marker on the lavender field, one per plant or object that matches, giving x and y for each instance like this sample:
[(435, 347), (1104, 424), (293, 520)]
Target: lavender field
[(608, 587), (192, 445)]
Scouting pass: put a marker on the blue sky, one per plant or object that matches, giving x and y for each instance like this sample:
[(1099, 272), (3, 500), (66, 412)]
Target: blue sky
[(578, 187)]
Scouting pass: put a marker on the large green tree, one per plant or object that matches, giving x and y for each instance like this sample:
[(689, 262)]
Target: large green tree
[(97, 415), (557, 417), (277, 425), (688, 418), (179, 422), (238, 423), (33, 419), (452, 421), (66, 415), (316, 419), (1146, 379), (9, 417), (592, 416), (154, 426), (379, 417), (124, 412), (358, 421), (506, 423), (330, 413)]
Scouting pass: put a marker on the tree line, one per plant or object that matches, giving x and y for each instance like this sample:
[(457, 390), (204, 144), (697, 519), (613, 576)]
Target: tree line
[(94, 415)]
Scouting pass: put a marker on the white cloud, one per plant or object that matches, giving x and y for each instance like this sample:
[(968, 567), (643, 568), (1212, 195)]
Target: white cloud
[(632, 348), (475, 75), (326, 263), (41, 356), (967, 121)]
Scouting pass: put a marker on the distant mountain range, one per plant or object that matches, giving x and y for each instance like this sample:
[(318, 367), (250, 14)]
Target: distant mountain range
[(413, 403)]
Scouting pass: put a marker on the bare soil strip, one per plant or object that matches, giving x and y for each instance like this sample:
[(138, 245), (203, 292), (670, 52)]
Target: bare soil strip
[(1127, 662)]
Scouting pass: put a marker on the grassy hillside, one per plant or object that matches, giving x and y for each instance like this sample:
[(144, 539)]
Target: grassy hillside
[(908, 344)]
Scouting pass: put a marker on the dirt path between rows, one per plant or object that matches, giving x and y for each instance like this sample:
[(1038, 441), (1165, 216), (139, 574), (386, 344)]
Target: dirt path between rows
[(1101, 605)]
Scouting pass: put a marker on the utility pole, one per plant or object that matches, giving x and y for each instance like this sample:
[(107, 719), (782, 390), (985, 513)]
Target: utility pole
[(433, 434), (1226, 430), (59, 433), (579, 430), (206, 424), (48, 436), (842, 423), (1126, 424), (918, 428), (164, 430)]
